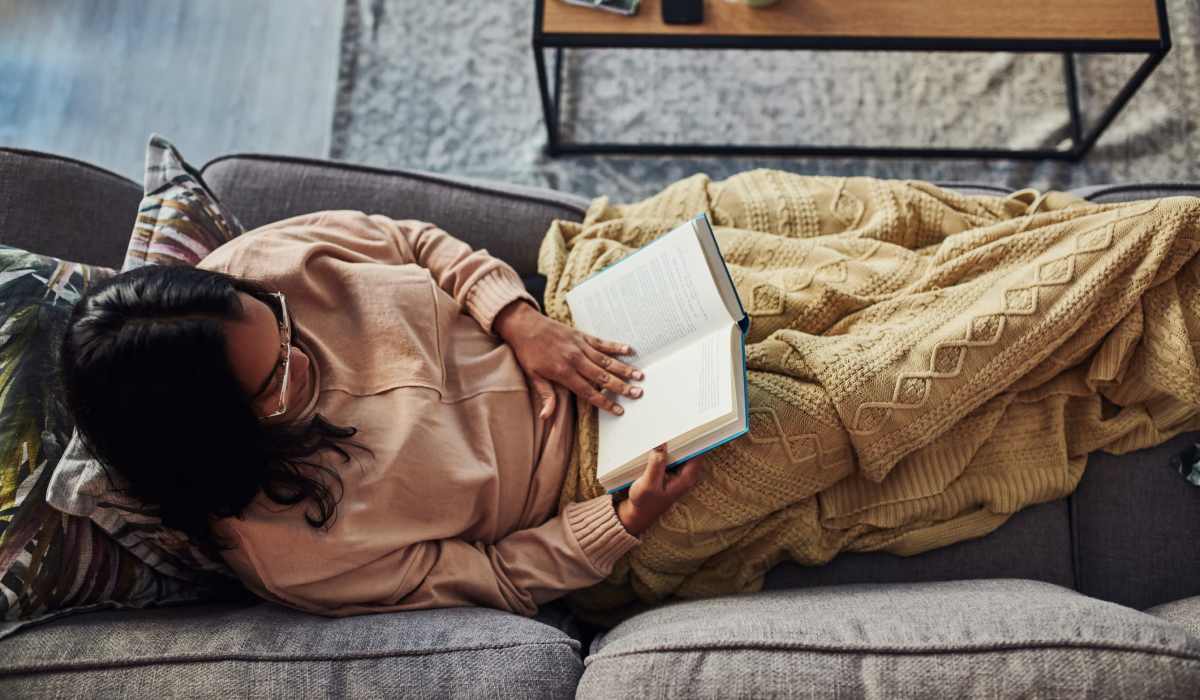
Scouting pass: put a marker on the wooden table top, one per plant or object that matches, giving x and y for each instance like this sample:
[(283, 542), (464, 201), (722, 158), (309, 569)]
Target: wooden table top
[(1108, 20)]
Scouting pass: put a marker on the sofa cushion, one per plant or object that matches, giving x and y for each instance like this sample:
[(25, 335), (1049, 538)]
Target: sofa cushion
[(1134, 517), (1035, 543), (508, 221), (984, 638), (65, 208), (267, 650), (1185, 613), (83, 487), (180, 221)]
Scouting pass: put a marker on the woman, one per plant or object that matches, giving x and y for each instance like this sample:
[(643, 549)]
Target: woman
[(236, 394)]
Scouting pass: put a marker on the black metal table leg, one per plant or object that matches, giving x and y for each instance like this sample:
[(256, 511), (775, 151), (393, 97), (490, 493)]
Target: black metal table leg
[(1122, 97), (831, 151), (1073, 103), (549, 118), (558, 81)]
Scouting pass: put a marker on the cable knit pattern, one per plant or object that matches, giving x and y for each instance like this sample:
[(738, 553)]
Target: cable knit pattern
[(599, 531), (922, 364)]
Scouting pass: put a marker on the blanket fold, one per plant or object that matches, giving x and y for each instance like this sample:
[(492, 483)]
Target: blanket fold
[(922, 365)]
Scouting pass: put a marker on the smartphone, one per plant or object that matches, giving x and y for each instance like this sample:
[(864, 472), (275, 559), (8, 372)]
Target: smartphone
[(683, 11), (624, 7)]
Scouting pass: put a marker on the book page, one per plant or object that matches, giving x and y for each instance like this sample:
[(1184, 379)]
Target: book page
[(718, 268), (684, 390), (655, 300)]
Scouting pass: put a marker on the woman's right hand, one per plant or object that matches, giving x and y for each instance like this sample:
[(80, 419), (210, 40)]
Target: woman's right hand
[(655, 491)]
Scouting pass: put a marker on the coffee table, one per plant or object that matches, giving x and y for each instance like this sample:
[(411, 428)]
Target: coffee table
[(1020, 26)]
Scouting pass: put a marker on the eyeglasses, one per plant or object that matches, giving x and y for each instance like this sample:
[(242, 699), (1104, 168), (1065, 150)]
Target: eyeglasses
[(285, 348)]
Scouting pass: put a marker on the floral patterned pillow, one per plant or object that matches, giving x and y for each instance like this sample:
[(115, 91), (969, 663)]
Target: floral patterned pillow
[(81, 487), (51, 563), (179, 220)]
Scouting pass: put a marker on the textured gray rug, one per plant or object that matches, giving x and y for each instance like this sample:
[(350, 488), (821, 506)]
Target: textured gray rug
[(451, 87)]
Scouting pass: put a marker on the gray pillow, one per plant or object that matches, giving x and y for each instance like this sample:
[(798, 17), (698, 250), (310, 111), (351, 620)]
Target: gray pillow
[(81, 486)]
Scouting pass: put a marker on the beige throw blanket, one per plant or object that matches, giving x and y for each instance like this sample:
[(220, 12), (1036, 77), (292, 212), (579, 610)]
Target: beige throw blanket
[(922, 365)]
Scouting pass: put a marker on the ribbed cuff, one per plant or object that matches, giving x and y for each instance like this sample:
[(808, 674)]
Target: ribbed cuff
[(493, 292), (599, 531)]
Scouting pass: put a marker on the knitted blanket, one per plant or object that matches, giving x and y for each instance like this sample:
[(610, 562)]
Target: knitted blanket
[(922, 365)]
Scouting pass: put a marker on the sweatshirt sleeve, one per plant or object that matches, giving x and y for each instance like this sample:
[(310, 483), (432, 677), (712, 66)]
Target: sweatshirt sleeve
[(482, 284), (575, 549)]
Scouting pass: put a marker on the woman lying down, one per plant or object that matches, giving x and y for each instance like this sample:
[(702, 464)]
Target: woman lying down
[(364, 414), (372, 414)]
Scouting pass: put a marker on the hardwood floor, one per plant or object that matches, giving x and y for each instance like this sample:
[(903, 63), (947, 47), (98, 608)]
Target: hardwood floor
[(92, 79)]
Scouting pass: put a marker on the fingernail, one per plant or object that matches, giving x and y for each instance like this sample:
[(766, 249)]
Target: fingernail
[(618, 410), (638, 375), (626, 349), (635, 392)]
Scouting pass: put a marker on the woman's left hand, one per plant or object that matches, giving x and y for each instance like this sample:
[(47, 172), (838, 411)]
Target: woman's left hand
[(551, 351)]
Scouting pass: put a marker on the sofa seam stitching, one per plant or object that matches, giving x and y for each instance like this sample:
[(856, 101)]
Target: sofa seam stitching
[(571, 644), (1000, 647)]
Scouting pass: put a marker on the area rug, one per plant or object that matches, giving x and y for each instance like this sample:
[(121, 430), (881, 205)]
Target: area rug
[(451, 87)]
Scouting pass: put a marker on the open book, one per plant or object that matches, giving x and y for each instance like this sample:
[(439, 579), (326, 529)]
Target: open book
[(674, 303)]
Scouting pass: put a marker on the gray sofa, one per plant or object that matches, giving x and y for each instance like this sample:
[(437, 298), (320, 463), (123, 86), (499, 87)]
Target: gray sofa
[(1095, 595)]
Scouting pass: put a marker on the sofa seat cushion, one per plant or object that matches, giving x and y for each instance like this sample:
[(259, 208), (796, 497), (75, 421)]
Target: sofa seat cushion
[(982, 638), (1185, 613), (267, 650)]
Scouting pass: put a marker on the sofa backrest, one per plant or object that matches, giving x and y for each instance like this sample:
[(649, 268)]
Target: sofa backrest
[(509, 221)]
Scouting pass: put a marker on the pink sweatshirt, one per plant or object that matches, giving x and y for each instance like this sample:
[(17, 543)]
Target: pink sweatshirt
[(459, 504)]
